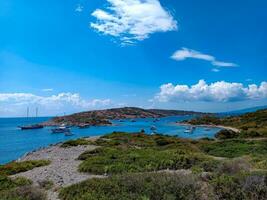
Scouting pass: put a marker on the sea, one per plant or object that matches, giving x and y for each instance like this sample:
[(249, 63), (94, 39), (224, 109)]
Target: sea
[(14, 143)]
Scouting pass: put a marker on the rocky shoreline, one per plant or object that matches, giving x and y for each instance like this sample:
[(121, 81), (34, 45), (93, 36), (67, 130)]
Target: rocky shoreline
[(63, 169)]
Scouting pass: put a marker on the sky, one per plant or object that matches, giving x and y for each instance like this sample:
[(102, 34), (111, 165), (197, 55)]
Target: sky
[(77, 55)]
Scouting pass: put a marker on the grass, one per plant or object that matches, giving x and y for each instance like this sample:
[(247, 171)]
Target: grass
[(17, 167), (72, 143)]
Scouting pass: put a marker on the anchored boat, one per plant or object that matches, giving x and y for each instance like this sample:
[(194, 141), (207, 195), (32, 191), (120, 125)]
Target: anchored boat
[(61, 129), (34, 126)]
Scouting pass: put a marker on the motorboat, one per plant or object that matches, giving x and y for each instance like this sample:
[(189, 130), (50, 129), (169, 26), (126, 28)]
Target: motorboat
[(61, 129)]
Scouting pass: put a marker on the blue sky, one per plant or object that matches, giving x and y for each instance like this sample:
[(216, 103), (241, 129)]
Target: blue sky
[(68, 56)]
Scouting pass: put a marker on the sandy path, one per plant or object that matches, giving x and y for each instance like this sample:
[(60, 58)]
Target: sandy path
[(63, 168)]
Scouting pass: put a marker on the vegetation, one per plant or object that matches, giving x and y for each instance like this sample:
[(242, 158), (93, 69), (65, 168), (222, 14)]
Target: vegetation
[(251, 124), (20, 188), (72, 143), (123, 153), (168, 186), (141, 166), (156, 186), (17, 167), (226, 134)]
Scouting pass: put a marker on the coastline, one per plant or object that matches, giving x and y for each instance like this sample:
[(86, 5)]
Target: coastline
[(21, 158), (210, 126)]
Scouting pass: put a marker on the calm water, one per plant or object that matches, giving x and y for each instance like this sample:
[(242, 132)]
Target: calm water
[(14, 143)]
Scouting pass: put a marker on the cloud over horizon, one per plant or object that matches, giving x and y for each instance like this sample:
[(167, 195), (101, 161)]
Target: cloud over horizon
[(133, 20), (220, 91), (186, 53), (53, 104)]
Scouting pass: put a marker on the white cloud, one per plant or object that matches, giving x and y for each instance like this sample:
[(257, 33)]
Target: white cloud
[(53, 104), (133, 20), (215, 92), (215, 70), (47, 89), (79, 8), (186, 53), (73, 99)]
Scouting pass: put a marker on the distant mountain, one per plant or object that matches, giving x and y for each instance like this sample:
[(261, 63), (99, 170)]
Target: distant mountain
[(103, 117), (246, 110)]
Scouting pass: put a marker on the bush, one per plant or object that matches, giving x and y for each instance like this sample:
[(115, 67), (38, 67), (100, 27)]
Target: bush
[(255, 187), (153, 186), (226, 134), (72, 143), (25, 193), (17, 167), (117, 160), (234, 166)]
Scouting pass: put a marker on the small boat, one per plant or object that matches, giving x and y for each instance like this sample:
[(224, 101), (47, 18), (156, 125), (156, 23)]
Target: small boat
[(190, 129), (153, 128), (29, 127), (133, 120), (68, 133), (155, 120), (84, 126), (61, 129)]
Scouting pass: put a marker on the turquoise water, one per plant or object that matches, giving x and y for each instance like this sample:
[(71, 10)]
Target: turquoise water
[(14, 142)]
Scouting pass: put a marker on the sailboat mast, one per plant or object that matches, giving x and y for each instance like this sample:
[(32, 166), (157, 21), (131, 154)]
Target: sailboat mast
[(27, 112), (36, 112)]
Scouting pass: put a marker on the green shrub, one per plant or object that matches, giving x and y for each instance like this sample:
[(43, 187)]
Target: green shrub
[(17, 167), (234, 166), (72, 143), (226, 134), (117, 160), (153, 186), (8, 183), (235, 148), (23, 193)]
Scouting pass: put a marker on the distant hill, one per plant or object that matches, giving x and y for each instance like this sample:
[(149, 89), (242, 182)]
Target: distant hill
[(103, 117), (246, 110), (251, 124)]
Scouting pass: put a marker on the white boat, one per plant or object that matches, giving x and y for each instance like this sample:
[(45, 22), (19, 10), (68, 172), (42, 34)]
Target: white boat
[(61, 129), (190, 129)]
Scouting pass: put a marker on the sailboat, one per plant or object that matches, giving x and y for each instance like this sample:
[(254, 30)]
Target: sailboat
[(33, 126)]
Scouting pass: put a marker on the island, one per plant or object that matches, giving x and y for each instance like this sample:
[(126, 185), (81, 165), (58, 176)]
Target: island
[(104, 117)]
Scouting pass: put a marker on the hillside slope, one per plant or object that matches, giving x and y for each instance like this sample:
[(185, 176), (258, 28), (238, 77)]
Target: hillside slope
[(250, 124), (102, 117)]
